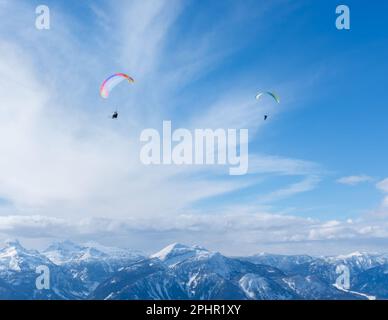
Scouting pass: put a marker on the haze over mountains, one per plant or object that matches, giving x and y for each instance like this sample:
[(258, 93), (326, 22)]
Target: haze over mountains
[(93, 271)]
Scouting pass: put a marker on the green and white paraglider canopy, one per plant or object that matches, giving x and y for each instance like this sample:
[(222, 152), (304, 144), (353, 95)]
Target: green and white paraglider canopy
[(273, 95)]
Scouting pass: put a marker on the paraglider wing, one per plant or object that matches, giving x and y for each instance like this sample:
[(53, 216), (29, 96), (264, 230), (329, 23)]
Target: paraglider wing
[(112, 82), (273, 95)]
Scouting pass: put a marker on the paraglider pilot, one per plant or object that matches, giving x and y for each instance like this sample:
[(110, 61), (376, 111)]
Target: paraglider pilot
[(115, 115)]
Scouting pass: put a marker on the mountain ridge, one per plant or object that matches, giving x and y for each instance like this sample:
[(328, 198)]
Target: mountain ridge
[(178, 271)]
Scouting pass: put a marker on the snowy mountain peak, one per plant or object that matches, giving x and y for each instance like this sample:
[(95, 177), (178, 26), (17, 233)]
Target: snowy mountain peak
[(64, 246), (17, 258), (14, 248), (68, 252), (114, 251), (361, 258), (356, 254), (13, 243), (168, 249), (177, 252)]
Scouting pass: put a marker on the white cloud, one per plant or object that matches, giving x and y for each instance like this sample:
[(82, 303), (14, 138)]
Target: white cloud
[(281, 165), (307, 184), (245, 232), (354, 180), (383, 185), (385, 202)]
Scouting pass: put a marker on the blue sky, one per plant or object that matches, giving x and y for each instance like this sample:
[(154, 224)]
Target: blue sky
[(69, 170)]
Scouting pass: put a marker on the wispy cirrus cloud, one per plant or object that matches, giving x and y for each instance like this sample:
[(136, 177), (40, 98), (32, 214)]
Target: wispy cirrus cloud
[(307, 184), (354, 180), (383, 185)]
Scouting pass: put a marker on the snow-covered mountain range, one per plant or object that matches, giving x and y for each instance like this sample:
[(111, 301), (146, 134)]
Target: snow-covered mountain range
[(93, 271)]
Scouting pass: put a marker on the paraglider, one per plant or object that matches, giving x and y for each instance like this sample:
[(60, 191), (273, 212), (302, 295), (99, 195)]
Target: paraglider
[(112, 81), (273, 95)]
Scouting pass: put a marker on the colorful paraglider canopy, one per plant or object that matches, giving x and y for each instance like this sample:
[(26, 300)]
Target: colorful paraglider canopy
[(111, 82), (273, 95)]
